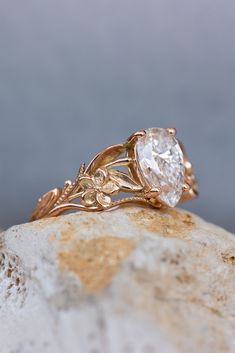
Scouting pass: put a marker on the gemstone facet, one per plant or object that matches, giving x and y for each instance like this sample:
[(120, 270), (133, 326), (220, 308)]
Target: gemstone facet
[(160, 162)]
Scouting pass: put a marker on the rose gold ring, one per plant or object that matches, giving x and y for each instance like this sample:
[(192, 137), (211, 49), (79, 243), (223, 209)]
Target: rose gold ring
[(151, 166)]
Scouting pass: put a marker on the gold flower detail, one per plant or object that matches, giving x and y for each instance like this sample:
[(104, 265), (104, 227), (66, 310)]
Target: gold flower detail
[(97, 189)]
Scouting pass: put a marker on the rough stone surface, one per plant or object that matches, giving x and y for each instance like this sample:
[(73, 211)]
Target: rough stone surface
[(160, 160), (134, 280)]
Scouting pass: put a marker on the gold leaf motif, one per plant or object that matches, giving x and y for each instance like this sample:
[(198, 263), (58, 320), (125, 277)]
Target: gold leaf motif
[(104, 157), (123, 180), (86, 182), (110, 188), (103, 200), (46, 203), (100, 177), (89, 197)]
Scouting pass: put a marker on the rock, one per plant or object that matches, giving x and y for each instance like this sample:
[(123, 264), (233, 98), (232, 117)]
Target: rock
[(134, 280)]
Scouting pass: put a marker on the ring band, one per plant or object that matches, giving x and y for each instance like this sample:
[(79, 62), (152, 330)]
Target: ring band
[(151, 165)]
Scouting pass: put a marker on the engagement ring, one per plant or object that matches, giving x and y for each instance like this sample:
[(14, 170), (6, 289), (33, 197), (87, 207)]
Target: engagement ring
[(151, 166)]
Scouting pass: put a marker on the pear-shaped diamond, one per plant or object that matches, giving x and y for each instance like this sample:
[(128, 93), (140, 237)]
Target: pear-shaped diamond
[(161, 163)]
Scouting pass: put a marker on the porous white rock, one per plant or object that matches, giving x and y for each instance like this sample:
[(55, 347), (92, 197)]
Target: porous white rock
[(134, 280)]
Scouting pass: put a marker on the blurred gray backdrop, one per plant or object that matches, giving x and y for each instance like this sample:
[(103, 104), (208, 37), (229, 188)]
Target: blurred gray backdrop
[(76, 76)]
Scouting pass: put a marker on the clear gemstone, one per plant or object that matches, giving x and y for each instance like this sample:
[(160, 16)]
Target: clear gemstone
[(160, 160)]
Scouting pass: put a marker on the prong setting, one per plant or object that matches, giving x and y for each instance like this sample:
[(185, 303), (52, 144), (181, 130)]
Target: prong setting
[(172, 131), (186, 187), (136, 135), (152, 193)]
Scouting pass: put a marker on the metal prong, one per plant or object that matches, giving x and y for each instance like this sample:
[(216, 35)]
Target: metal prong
[(152, 194), (188, 166), (137, 134), (186, 187), (172, 131)]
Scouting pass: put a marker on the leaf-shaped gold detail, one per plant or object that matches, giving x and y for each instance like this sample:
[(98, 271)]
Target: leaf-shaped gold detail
[(124, 181), (105, 157), (46, 203), (103, 200), (89, 197), (100, 177), (110, 188), (86, 182)]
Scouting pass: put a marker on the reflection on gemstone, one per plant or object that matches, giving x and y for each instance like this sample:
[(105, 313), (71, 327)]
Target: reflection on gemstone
[(161, 164)]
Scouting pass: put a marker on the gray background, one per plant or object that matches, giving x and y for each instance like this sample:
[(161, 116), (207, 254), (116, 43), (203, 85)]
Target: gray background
[(76, 76)]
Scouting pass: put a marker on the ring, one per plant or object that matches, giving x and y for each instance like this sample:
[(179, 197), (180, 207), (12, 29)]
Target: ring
[(151, 166)]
